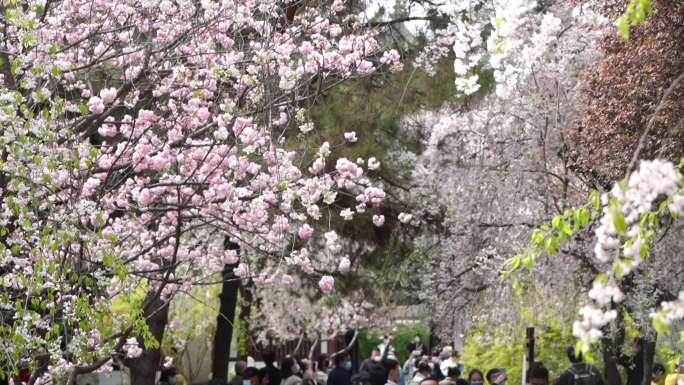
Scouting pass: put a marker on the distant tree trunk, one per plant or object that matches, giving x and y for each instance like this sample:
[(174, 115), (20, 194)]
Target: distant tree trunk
[(649, 344), (144, 368), (611, 347), (224, 320)]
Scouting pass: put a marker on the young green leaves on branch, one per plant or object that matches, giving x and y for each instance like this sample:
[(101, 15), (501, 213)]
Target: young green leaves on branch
[(548, 236)]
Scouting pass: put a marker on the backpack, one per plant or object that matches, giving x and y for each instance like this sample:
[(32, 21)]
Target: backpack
[(583, 376)]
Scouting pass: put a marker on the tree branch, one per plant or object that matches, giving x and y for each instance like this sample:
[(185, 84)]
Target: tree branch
[(651, 123)]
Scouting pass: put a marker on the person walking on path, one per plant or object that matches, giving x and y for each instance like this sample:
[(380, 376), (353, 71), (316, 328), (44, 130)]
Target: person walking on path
[(269, 375), (290, 372), (579, 372), (341, 374), (634, 365)]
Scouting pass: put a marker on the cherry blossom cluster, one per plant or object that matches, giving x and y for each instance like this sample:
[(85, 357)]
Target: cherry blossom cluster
[(670, 311), (296, 312), (623, 238), (506, 37), (489, 167)]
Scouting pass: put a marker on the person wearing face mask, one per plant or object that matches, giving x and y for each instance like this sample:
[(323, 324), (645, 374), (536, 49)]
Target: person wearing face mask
[(250, 376), (341, 374), (240, 366), (171, 376), (291, 371), (376, 356), (475, 377), (322, 370)]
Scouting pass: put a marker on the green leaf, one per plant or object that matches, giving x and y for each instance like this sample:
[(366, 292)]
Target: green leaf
[(620, 269), (515, 262), (16, 63), (551, 245), (83, 108), (566, 229), (528, 262), (645, 249), (619, 222), (585, 217), (601, 278), (538, 237), (595, 199)]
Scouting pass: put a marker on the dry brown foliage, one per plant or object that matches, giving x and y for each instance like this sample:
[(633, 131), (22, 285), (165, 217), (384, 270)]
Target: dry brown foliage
[(623, 90)]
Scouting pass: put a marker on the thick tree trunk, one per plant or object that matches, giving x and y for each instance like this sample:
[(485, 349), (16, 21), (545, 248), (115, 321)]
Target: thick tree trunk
[(144, 368), (224, 320)]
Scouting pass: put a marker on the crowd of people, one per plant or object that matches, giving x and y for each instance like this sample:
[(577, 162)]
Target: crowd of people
[(442, 367), (381, 368)]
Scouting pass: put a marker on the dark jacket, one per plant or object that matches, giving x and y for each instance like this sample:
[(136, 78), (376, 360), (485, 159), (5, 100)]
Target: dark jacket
[(634, 367), (568, 378), (272, 373), (339, 376)]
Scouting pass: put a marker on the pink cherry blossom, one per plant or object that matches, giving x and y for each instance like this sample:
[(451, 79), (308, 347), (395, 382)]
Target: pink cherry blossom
[(230, 257), (305, 232), (242, 270), (108, 95), (378, 220), (344, 265), (95, 105), (107, 130), (327, 284)]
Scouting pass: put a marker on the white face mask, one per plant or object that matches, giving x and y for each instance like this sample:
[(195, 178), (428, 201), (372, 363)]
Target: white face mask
[(296, 368)]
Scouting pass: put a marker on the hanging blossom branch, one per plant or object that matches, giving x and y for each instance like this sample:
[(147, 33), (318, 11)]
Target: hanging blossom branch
[(633, 212)]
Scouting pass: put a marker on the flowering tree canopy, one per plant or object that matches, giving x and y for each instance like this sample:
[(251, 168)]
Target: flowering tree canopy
[(136, 137)]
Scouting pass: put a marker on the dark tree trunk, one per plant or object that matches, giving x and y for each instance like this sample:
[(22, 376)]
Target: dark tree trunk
[(144, 368), (246, 299), (611, 372), (611, 347), (649, 355), (224, 320)]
